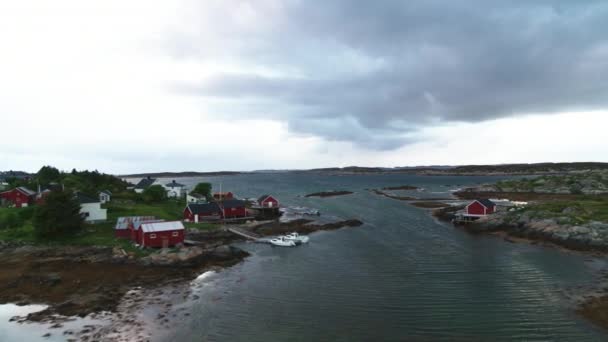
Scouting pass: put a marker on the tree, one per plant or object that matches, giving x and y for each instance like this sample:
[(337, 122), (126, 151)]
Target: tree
[(203, 189), (155, 193), (58, 215), (47, 175)]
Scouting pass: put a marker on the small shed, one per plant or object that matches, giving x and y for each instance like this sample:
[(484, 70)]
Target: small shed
[(124, 224), (267, 201), (161, 234), (480, 207), (194, 212), (105, 196)]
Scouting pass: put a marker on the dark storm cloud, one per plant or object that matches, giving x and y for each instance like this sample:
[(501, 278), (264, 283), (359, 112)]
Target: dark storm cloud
[(371, 72)]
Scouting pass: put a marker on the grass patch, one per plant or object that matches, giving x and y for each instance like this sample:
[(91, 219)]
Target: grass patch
[(579, 211), (101, 234)]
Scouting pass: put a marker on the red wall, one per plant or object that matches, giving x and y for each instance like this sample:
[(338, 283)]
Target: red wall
[(122, 233), (235, 212), (189, 216), (274, 201), (147, 240), (476, 208), (17, 197)]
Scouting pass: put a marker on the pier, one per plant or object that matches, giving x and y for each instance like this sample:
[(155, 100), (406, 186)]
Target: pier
[(244, 233)]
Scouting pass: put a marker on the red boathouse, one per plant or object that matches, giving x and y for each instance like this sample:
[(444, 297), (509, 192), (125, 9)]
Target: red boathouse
[(19, 197), (267, 201), (480, 207), (161, 234), (220, 196), (195, 212), (124, 225), (233, 208)]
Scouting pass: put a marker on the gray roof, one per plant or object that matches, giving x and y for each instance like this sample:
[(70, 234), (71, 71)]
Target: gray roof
[(486, 202), (263, 197), (145, 182), (204, 208), (232, 203), (82, 198), (26, 191), (196, 195), (174, 184), (107, 192)]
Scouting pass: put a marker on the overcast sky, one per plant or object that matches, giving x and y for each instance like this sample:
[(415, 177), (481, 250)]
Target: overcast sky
[(130, 86)]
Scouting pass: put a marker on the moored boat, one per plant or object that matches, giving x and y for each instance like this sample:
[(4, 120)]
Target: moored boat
[(297, 238), (282, 242)]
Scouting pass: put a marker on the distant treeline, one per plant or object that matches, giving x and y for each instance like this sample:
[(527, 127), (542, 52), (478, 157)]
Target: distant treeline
[(535, 168), (180, 174)]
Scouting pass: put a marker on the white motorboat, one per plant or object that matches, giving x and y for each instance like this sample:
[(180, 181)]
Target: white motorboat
[(282, 242), (297, 238)]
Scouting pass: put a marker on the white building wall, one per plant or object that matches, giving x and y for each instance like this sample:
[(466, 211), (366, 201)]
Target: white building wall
[(95, 212)]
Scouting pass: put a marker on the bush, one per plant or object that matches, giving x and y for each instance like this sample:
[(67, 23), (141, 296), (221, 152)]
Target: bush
[(154, 193), (58, 216), (10, 220), (203, 189)]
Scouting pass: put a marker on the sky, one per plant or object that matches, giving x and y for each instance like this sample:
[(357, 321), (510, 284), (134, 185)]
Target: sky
[(183, 85)]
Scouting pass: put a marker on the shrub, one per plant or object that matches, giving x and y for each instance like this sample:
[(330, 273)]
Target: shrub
[(58, 216), (154, 193)]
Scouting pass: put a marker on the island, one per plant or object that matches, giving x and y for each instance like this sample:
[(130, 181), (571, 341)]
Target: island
[(329, 193)]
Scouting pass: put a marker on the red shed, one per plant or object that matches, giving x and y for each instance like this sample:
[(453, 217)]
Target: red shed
[(220, 196), (480, 207), (124, 225), (267, 201), (233, 208), (161, 234), (197, 211), (20, 197)]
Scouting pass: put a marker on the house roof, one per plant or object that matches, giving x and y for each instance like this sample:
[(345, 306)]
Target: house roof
[(83, 199), (23, 190), (196, 195), (123, 222), (174, 184), (145, 182), (162, 226), (203, 208), (263, 197), (107, 192), (486, 202), (232, 203), (26, 191), (216, 194)]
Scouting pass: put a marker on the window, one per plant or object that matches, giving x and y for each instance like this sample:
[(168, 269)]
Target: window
[(152, 236), (175, 234)]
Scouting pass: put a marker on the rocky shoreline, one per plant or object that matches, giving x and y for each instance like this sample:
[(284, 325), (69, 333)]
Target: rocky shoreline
[(329, 193)]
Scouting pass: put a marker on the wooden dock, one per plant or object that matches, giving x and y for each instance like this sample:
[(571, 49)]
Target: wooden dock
[(244, 233)]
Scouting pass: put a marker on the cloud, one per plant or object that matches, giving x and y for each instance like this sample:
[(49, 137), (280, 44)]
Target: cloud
[(371, 73)]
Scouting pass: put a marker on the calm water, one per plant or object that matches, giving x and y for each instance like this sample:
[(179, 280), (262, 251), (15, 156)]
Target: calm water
[(400, 276)]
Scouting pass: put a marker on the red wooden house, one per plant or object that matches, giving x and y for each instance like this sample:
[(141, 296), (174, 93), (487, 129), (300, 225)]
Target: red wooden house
[(161, 234), (195, 212), (267, 201), (480, 207), (19, 197), (233, 208)]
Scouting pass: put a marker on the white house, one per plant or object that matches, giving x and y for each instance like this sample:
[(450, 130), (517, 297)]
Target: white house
[(174, 189), (196, 198), (90, 209), (105, 196)]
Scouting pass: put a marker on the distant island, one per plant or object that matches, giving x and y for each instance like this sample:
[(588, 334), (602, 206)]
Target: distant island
[(181, 174)]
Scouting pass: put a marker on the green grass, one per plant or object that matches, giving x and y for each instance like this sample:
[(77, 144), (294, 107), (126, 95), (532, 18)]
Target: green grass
[(102, 234), (586, 209)]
